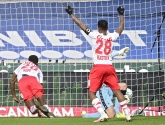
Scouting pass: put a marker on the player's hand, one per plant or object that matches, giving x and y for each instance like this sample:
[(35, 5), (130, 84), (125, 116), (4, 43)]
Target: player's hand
[(17, 100), (69, 10), (120, 10)]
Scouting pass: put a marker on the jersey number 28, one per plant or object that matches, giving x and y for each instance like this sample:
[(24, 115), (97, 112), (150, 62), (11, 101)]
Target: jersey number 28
[(106, 49)]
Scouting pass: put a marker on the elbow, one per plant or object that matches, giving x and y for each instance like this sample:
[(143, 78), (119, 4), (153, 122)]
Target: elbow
[(122, 27)]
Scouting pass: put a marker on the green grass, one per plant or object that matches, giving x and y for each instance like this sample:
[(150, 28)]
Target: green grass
[(81, 121)]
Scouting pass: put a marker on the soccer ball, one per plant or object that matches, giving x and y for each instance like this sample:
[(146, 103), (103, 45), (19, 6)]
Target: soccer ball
[(129, 93), (83, 113)]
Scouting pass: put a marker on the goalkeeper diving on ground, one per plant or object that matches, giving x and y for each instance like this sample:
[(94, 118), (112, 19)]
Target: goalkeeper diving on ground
[(105, 95)]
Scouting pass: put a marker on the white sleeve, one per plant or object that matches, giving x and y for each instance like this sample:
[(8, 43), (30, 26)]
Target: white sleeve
[(115, 35), (40, 76), (92, 35), (16, 71)]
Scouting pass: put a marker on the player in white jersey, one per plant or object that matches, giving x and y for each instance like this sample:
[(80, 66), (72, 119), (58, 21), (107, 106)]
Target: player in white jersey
[(103, 70), (105, 95), (30, 79)]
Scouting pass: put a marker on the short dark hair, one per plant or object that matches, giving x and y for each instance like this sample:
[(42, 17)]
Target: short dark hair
[(33, 58), (103, 24)]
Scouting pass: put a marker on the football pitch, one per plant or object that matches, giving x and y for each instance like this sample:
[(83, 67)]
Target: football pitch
[(80, 121)]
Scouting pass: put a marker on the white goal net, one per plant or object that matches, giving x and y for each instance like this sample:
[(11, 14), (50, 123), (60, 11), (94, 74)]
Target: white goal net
[(43, 28)]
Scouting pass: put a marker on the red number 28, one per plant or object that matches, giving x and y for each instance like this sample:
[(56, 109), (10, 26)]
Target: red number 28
[(107, 48)]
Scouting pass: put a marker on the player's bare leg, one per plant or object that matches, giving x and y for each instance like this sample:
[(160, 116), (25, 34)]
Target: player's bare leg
[(32, 108), (123, 88), (110, 112), (97, 104), (41, 105), (123, 104)]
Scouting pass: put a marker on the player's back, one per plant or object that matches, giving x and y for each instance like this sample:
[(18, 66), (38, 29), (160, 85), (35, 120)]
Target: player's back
[(102, 47), (27, 68)]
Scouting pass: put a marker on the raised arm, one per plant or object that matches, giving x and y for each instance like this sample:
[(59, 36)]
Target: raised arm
[(121, 17), (69, 10)]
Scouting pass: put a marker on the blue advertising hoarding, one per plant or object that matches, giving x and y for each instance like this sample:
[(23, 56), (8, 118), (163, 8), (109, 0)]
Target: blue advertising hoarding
[(45, 29)]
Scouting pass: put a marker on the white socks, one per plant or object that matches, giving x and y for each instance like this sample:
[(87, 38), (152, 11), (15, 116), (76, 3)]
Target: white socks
[(97, 104), (47, 107), (125, 109), (33, 109)]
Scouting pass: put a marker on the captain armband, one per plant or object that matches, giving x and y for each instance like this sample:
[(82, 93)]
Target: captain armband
[(87, 31)]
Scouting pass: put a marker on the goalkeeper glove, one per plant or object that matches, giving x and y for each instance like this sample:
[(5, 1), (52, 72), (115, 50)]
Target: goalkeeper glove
[(120, 10), (163, 95), (69, 10), (123, 51), (127, 99)]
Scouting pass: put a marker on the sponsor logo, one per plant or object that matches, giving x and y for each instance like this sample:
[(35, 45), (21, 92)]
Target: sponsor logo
[(73, 111), (23, 111), (57, 44)]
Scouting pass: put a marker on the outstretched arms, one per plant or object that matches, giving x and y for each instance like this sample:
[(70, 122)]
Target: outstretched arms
[(121, 25), (69, 10)]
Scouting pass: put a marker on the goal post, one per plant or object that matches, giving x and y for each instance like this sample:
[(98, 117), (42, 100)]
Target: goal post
[(43, 28)]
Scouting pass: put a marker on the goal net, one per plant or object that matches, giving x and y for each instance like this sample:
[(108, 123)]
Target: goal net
[(43, 28)]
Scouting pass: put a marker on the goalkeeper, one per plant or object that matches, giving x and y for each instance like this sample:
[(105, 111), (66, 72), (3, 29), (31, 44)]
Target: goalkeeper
[(105, 95)]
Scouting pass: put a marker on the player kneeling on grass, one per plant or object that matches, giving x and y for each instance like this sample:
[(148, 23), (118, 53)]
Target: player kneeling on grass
[(30, 79), (105, 95)]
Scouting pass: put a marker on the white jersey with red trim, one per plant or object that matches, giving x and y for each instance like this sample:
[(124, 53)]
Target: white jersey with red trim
[(102, 46), (30, 69)]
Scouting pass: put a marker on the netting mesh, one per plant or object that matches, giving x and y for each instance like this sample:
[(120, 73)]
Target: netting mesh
[(43, 28)]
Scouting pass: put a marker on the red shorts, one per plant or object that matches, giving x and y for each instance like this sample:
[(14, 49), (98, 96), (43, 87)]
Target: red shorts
[(29, 88), (100, 74)]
